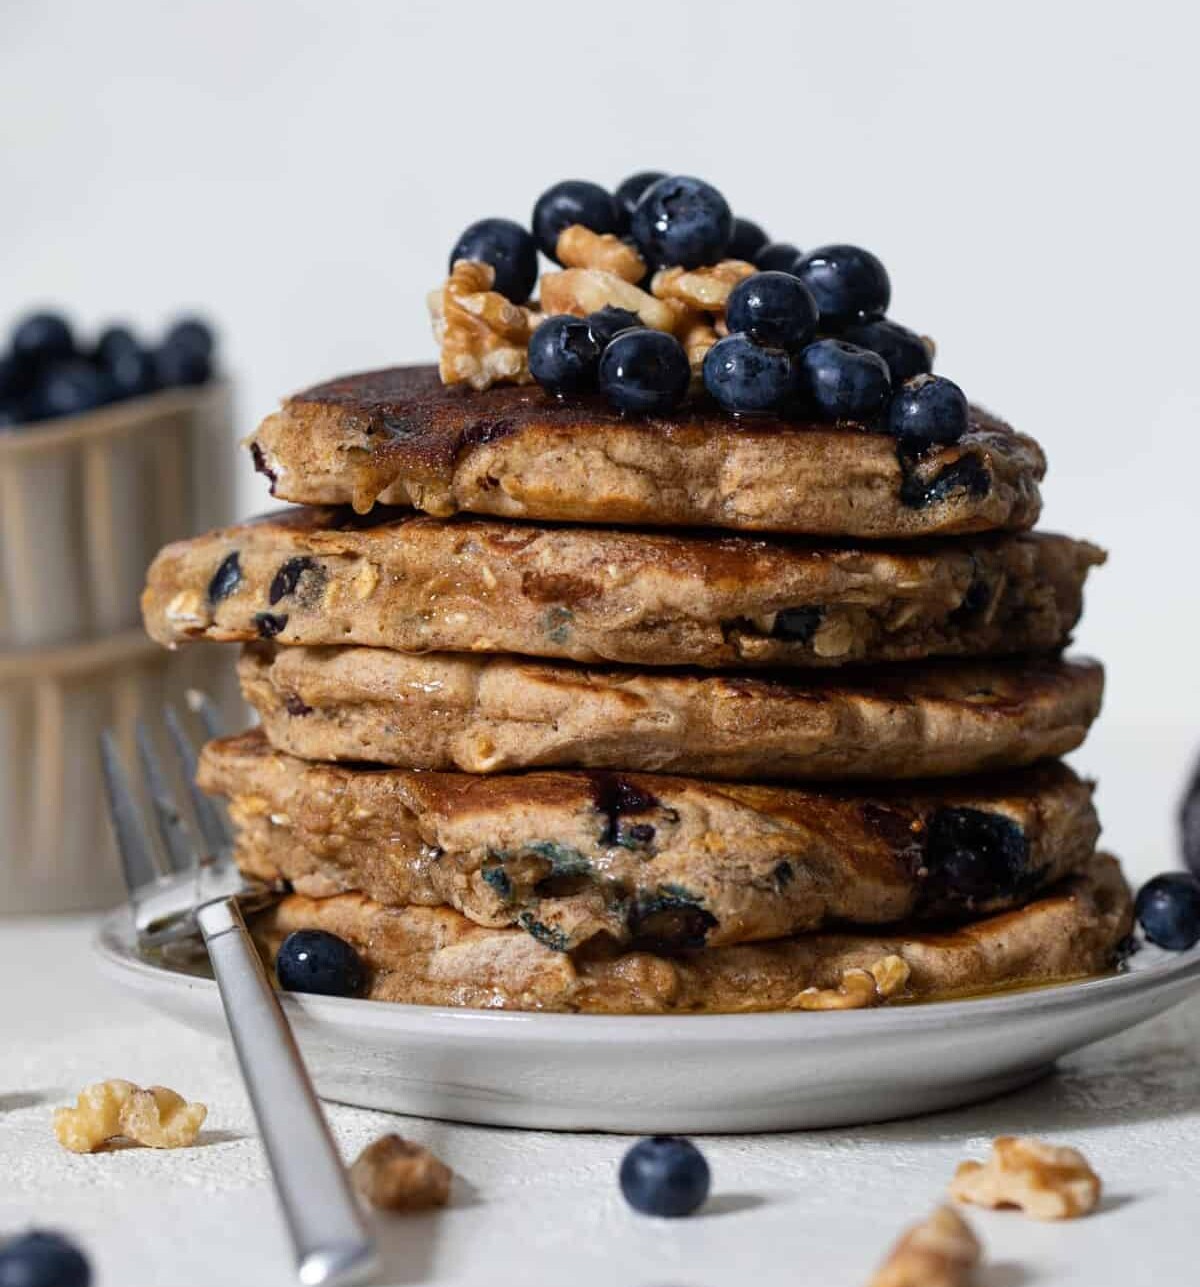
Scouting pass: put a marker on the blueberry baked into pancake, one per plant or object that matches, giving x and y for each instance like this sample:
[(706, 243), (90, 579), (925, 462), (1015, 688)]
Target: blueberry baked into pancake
[(678, 642)]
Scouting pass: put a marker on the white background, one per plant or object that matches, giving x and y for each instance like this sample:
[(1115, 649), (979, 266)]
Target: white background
[(300, 170)]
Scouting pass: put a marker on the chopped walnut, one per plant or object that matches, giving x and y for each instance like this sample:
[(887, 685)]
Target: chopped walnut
[(697, 336), (858, 989), (581, 291), (1045, 1181), (117, 1109), (939, 1252), (580, 247), (707, 288), (484, 337), (396, 1175)]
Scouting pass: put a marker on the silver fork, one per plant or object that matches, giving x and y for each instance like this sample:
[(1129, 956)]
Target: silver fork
[(202, 895)]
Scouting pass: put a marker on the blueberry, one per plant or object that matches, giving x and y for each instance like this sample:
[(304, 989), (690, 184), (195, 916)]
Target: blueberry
[(777, 256), (747, 240), (315, 961), (564, 355), (773, 308), (42, 338), (848, 283), (509, 249), (125, 364), (905, 352), (568, 202), (1168, 910), (629, 192), (747, 378), (181, 364), (111, 341), (682, 220), (665, 1176), (12, 386), (610, 321), (645, 371), (191, 333), (67, 389), (43, 1259), (1189, 824), (11, 415), (927, 409), (843, 382), (797, 625)]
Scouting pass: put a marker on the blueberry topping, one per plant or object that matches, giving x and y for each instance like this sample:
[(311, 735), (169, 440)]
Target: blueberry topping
[(42, 338), (127, 366), (665, 1176), (777, 256), (616, 797), (610, 321), (843, 382), (572, 201), (797, 625), (971, 856), (1189, 824), (645, 372), (848, 283), (181, 365), (112, 341), (564, 355), (967, 474), (43, 1259), (316, 961), (226, 579), (69, 388), (269, 624), (927, 410), (1168, 910), (285, 581), (773, 308), (682, 220), (905, 352), (748, 379), (747, 240), (191, 333), (629, 193), (509, 249)]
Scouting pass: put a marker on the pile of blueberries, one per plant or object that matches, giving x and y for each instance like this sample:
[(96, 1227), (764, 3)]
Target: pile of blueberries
[(46, 373), (808, 336)]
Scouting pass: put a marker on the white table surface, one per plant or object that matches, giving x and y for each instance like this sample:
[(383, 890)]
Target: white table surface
[(543, 1210)]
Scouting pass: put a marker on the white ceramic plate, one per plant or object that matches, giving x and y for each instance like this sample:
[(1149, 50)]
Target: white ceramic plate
[(679, 1073)]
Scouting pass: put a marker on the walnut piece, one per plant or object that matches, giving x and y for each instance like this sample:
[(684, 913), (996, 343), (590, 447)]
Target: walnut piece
[(939, 1252), (580, 247), (117, 1109), (705, 288), (484, 338), (580, 291), (859, 988), (697, 335), (397, 1175), (1045, 1181)]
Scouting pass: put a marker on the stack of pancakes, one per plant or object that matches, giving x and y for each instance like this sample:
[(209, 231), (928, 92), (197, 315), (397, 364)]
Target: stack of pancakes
[(563, 710)]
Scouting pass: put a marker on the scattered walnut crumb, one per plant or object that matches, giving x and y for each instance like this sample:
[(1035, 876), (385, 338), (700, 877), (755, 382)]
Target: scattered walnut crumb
[(484, 338), (580, 291), (1044, 1180), (117, 1109), (859, 988), (580, 247), (939, 1252), (397, 1175), (705, 288)]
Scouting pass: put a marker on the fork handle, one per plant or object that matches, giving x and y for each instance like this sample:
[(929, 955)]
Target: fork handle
[(329, 1236)]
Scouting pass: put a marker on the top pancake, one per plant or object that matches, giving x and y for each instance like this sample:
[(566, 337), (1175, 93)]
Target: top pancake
[(400, 437)]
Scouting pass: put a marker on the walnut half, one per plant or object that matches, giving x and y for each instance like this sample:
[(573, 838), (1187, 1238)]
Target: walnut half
[(397, 1175), (939, 1252), (886, 978), (484, 338), (1045, 1181), (117, 1109)]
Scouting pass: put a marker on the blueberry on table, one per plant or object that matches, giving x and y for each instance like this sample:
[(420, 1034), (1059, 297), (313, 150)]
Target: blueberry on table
[(665, 1176), (682, 221), (905, 352), (927, 410), (564, 355), (43, 1259), (41, 338), (191, 333), (509, 249), (773, 308), (777, 256), (842, 382), (316, 961), (608, 322), (750, 379), (1168, 910), (629, 192), (747, 240), (181, 364), (568, 202), (848, 283), (68, 389), (645, 372)]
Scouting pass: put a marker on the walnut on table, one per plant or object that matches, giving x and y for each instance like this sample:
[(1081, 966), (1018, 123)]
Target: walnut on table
[(1045, 1181), (483, 337), (939, 1252), (394, 1174), (580, 247), (116, 1109), (888, 977)]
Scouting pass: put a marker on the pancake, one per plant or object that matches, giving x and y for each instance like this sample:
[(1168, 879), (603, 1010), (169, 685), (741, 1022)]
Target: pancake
[(400, 437), (638, 858), (434, 956), (493, 714), (319, 576)]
